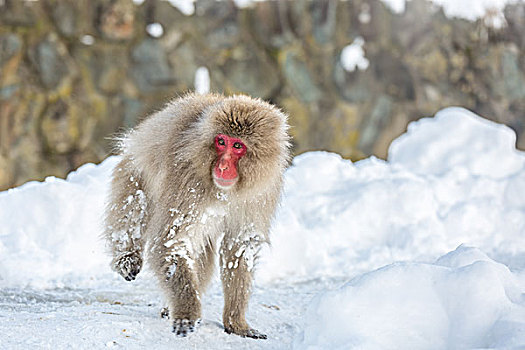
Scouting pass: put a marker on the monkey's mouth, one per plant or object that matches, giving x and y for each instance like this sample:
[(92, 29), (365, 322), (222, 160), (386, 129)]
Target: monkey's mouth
[(224, 184)]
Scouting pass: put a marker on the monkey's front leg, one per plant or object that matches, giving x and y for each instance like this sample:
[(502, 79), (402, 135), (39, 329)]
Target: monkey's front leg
[(236, 274), (126, 220)]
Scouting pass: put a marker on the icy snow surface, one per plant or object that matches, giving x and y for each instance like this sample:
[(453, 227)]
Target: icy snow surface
[(423, 251)]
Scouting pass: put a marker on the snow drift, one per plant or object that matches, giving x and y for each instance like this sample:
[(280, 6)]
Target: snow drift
[(50, 231), (450, 180), (463, 301)]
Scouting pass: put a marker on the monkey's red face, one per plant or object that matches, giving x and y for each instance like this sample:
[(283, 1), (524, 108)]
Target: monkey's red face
[(229, 151)]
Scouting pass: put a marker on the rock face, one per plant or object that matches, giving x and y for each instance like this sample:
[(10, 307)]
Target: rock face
[(75, 72)]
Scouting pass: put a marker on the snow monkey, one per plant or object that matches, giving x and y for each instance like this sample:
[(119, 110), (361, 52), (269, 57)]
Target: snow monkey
[(202, 175)]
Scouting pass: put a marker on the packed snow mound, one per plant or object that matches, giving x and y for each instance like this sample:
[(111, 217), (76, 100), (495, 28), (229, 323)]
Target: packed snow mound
[(463, 301), (50, 231), (457, 139), (452, 179)]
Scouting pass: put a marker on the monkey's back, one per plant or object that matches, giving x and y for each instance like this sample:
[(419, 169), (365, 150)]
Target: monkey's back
[(158, 134), (156, 147)]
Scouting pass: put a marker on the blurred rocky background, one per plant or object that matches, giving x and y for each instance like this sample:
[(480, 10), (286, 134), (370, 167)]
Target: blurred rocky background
[(75, 72)]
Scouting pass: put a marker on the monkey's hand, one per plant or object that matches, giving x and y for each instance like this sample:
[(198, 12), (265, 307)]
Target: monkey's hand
[(246, 332), (182, 326), (128, 265)]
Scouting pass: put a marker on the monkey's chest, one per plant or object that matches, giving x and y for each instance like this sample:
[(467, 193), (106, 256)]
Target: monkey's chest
[(194, 232)]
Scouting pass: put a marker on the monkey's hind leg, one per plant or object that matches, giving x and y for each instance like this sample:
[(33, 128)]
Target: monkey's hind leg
[(126, 220), (236, 260)]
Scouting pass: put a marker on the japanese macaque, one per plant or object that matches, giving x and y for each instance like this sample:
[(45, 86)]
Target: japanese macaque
[(202, 176)]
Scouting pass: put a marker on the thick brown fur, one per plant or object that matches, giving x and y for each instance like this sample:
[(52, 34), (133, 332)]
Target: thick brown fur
[(163, 202)]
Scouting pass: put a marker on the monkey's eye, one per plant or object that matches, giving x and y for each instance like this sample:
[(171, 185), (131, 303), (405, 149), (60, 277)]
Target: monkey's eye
[(237, 145), (221, 142)]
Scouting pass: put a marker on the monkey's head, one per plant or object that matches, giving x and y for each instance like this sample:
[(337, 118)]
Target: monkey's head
[(247, 143)]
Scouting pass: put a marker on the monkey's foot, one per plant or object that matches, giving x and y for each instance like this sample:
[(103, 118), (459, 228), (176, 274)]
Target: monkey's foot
[(182, 326), (128, 265), (246, 333)]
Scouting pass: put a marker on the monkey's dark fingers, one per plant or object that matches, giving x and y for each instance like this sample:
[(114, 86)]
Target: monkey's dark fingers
[(247, 333), (182, 326), (131, 275), (129, 265)]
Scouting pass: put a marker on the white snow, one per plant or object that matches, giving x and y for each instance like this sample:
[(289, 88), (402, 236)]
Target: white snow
[(364, 14), (397, 6), (463, 301), (423, 251), (202, 80), (49, 231), (87, 40), (155, 29), (245, 3), (450, 180), (490, 10), (353, 56), (186, 7), (487, 150)]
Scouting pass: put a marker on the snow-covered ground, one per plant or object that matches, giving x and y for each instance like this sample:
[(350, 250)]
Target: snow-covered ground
[(423, 251)]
